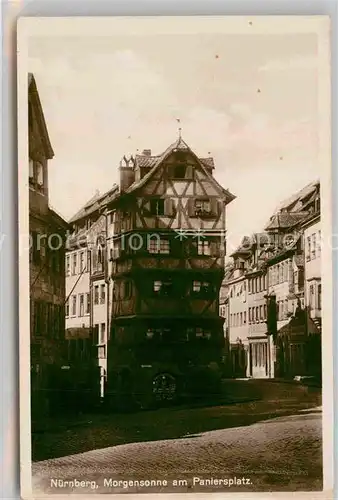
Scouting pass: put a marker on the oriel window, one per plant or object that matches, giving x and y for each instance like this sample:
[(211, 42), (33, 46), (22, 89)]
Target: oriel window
[(96, 294), (203, 247), (103, 294), (156, 245), (39, 174)]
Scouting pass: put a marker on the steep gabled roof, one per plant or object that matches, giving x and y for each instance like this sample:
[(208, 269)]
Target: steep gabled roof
[(285, 220), (155, 161), (305, 191), (95, 203), (33, 92)]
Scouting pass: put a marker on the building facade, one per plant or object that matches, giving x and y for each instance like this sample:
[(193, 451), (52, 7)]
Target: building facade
[(87, 286), (47, 261), (274, 293), (167, 261)]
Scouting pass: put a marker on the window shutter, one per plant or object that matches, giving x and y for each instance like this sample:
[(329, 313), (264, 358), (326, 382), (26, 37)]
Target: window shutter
[(169, 207), (214, 206), (213, 248), (189, 172), (191, 207)]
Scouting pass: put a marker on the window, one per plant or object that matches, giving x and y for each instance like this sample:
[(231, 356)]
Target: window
[(163, 287), (319, 291), (103, 294), (249, 285), (203, 248), (67, 308), (257, 314), (311, 301), (241, 319), (74, 264), (81, 313), (103, 333), (264, 308), (319, 245), (308, 253), (314, 248), (39, 174), (202, 206), (157, 206), (202, 334), (99, 255), (261, 313), (244, 317), (31, 170), (96, 294), (67, 265), (157, 245), (250, 315), (102, 352), (88, 260), (82, 256), (281, 275), (127, 289), (74, 305), (88, 303), (196, 286), (179, 171)]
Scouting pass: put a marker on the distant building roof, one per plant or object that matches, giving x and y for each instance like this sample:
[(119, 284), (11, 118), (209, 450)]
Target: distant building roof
[(299, 195), (285, 220), (95, 203)]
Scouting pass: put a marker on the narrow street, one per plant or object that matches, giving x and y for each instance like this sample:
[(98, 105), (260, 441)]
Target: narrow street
[(281, 454)]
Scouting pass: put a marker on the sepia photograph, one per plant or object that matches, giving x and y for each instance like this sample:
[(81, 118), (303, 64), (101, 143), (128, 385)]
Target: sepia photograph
[(175, 255)]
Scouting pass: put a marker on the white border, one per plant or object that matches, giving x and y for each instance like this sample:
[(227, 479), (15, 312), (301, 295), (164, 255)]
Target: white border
[(98, 26)]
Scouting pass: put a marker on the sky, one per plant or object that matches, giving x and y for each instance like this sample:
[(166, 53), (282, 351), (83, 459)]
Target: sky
[(248, 100)]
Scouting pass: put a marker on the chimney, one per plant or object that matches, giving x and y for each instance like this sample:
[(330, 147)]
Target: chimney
[(146, 152), (127, 174)]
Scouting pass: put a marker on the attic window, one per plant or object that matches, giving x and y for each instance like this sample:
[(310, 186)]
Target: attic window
[(179, 171)]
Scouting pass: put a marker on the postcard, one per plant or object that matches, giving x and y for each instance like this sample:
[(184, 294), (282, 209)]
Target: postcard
[(175, 256)]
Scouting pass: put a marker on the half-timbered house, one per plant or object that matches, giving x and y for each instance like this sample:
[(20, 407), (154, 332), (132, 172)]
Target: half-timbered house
[(167, 264)]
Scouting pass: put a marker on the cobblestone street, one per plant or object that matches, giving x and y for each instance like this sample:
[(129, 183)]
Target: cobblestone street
[(279, 454), (264, 400)]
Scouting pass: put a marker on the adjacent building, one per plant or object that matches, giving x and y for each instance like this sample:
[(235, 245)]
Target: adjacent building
[(87, 284), (47, 263), (274, 293)]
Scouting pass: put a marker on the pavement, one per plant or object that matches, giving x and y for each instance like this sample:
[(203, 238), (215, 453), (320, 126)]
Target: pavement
[(280, 454)]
